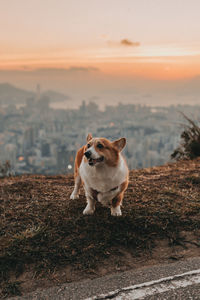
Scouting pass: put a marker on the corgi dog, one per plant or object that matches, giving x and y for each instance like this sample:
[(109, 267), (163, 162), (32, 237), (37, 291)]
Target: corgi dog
[(102, 169)]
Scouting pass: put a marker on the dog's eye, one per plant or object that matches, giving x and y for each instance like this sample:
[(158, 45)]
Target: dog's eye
[(88, 145), (100, 146)]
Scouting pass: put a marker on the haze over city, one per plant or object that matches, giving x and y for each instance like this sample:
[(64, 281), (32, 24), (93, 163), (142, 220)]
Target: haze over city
[(128, 51)]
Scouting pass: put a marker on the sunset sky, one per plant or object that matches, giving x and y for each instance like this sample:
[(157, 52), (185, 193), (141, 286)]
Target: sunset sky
[(110, 50), (148, 38)]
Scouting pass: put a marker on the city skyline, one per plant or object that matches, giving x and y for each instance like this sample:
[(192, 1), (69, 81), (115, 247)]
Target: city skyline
[(38, 139)]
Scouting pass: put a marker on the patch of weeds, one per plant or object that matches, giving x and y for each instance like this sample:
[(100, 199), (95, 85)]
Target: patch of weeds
[(10, 289), (193, 179), (29, 233), (190, 141)]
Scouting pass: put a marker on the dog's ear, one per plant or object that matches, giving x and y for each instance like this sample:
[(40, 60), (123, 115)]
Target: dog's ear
[(89, 137), (119, 144)]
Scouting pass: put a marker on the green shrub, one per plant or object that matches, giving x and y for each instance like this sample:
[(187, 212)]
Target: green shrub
[(5, 169), (190, 142)]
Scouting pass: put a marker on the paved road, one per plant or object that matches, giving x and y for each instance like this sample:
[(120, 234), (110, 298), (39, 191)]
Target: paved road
[(179, 280), (172, 287)]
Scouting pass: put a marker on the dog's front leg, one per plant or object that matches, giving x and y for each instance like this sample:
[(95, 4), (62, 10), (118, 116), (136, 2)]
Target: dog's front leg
[(90, 207), (116, 205), (75, 193), (117, 200)]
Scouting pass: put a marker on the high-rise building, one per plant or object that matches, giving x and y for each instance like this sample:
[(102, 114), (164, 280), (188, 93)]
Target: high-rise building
[(38, 92)]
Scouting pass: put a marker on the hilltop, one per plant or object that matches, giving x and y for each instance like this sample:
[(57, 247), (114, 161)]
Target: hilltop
[(45, 240)]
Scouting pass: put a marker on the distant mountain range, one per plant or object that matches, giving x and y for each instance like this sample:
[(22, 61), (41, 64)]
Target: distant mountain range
[(55, 96), (9, 94)]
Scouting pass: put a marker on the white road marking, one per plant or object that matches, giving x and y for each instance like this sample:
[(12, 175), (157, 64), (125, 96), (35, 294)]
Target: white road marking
[(139, 291)]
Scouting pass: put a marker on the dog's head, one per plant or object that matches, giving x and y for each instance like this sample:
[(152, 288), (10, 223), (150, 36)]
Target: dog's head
[(99, 151)]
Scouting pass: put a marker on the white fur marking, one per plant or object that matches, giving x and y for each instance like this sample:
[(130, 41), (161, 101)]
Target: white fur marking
[(89, 210), (74, 196), (75, 193), (116, 211), (95, 154), (102, 177), (105, 198)]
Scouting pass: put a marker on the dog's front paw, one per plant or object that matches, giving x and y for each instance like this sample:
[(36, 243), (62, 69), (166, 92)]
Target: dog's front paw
[(116, 211), (74, 196), (88, 210)]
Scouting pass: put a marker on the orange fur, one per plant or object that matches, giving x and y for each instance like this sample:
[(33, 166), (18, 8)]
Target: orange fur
[(117, 200), (78, 160)]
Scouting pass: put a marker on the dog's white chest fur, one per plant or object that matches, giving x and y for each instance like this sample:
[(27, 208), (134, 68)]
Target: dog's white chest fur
[(103, 178)]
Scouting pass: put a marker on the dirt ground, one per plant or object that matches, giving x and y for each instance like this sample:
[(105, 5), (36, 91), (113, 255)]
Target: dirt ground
[(45, 240)]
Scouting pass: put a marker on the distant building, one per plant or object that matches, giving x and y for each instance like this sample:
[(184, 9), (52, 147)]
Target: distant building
[(11, 154), (45, 149), (38, 92), (43, 103), (29, 138), (30, 104), (83, 109)]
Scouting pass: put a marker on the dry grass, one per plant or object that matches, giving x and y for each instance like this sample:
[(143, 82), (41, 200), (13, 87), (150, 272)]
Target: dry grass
[(43, 232)]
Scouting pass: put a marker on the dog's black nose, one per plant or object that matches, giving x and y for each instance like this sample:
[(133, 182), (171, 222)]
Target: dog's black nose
[(88, 153)]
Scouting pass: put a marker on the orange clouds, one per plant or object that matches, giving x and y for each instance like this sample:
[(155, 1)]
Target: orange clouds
[(121, 58), (126, 42), (123, 42)]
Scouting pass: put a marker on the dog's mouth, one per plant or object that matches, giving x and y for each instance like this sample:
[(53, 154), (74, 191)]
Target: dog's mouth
[(94, 161)]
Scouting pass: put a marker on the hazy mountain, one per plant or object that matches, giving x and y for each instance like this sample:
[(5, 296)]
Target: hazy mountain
[(55, 96), (9, 94)]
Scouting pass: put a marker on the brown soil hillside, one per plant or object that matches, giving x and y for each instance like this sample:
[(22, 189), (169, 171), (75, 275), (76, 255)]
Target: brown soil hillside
[(45, 239)]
